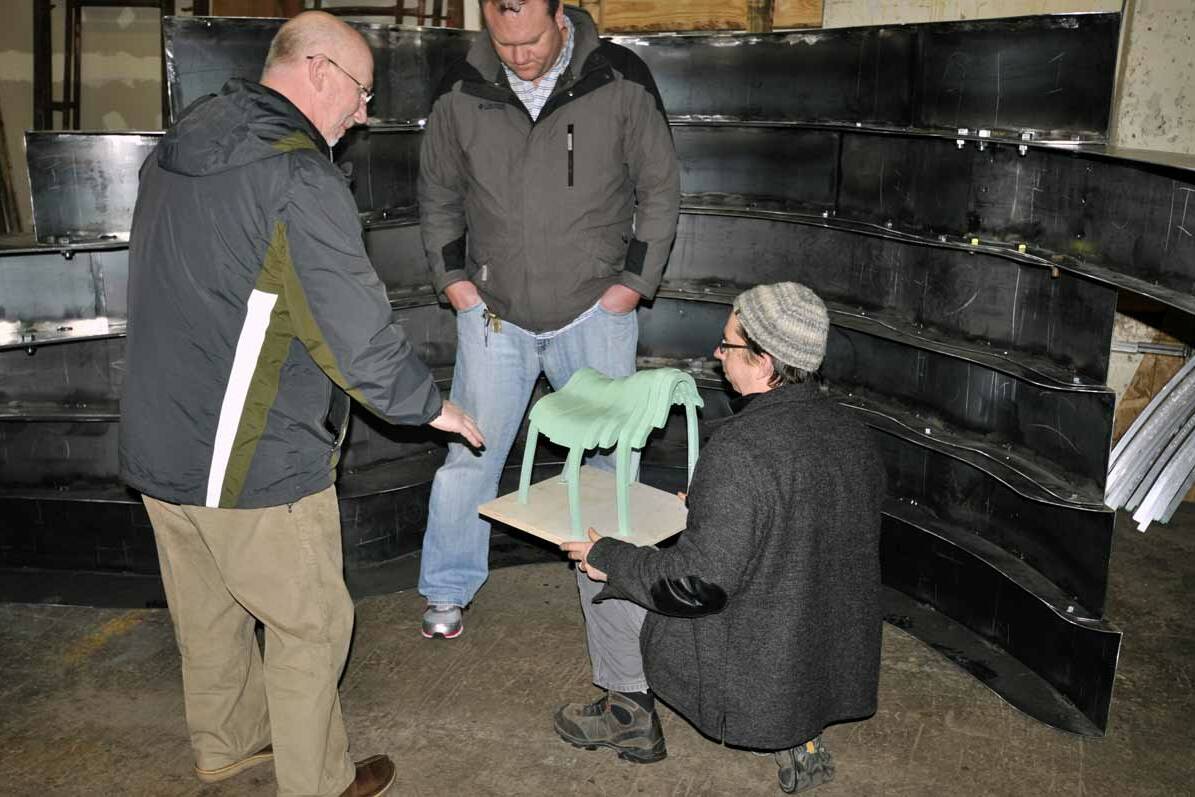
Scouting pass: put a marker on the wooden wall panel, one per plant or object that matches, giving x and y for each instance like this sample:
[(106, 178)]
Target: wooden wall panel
[(256, 8), (797, 14), (642, 16)]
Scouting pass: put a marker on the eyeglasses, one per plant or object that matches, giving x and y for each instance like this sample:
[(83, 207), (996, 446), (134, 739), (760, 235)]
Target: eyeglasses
[(366, 94), (723, 346)]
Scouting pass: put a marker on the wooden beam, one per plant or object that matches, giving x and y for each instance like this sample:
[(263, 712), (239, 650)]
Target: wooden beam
[(759, 16), (594, 8)]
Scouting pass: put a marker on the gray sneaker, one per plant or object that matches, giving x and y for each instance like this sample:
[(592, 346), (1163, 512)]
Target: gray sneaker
[(804, 766), (613, 721), (442, 620)]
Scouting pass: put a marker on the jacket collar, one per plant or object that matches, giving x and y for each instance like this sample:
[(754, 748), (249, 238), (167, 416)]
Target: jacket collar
[(484, 59), (785, 394)]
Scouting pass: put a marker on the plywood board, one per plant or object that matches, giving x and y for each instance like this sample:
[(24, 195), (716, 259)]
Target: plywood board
[(639, 16), (797, 14), (655, 515)]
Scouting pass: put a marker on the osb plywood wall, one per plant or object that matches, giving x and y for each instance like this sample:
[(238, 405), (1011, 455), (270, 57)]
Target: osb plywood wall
[(638, 16)]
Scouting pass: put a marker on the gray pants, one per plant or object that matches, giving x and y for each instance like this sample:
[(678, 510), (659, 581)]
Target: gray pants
[(612, 633)]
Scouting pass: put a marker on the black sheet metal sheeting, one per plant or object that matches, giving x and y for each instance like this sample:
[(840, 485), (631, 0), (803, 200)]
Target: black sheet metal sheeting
[(1009, 606), (204, 52), (829, 157), (1042, 73)]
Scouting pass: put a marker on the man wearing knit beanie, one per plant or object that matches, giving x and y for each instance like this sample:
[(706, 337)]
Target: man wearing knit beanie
[(761, 625)]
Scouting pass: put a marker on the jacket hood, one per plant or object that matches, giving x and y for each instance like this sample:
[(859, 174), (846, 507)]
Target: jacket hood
[(485, 60), (245, 123)]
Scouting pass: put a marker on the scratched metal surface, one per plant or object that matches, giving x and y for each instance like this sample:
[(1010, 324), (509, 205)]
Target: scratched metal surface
[(84, 185), (202, 53)]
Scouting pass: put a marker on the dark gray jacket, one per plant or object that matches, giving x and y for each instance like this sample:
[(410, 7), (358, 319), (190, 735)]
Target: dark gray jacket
[(253, 308), (549, 230), (784, 521)]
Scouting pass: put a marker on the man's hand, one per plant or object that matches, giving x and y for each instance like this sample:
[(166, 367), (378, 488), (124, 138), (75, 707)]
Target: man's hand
[(462, 295), (579, 553), (453, 419), (619, 299)]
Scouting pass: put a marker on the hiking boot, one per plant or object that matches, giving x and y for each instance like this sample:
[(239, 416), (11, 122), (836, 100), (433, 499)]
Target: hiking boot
[(224, 773), (374, 776), (614, 721), (804, 766), (442, 620)]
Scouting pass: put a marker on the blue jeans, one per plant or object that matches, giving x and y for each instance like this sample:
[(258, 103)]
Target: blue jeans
[(493, 379)]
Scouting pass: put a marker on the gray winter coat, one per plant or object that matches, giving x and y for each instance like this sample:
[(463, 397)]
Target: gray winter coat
[(253, 309), (549, 227), (783, 538)]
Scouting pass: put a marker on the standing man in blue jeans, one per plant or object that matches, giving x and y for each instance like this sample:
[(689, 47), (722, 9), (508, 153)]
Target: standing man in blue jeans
[(548, 196)]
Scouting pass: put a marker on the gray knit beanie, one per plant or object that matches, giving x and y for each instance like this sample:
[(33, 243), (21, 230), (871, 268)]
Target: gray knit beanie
[(788, 321)]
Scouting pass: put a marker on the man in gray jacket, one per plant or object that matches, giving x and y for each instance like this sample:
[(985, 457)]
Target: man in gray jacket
[(548, 199), (254, 316), (761, 625)]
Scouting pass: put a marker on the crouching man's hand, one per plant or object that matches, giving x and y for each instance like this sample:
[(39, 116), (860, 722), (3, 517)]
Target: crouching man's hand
[(579, 553), (455, 420)]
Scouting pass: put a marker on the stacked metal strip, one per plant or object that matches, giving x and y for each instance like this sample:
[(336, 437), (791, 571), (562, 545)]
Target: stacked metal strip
[(1153, 466)]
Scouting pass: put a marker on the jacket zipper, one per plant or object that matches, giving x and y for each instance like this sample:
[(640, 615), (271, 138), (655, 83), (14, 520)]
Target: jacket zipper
[(570, 156)]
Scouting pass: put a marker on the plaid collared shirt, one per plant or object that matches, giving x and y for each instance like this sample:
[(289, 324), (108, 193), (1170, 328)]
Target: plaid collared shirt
[(534, 97)]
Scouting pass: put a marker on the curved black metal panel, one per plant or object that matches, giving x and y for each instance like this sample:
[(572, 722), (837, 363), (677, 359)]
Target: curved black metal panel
[(789, 169), (993, 302), (204, 52), (1045, 430), (1060, 429), (384, 170), (1039, 73), (843, 75), (1005, 602), (1069, 546), (396, 250), (1089, 214), (1042, 73)]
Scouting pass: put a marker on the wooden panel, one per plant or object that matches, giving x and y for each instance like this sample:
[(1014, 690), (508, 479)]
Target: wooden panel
[(797, 14), (638, 16), (655, 515), (256, 8)]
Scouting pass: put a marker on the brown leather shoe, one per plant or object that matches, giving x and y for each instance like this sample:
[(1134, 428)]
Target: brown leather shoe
[(224, 773), (374, 776)]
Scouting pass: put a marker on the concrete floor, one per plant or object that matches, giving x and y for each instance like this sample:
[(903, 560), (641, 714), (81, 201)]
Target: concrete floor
[(90, 703)]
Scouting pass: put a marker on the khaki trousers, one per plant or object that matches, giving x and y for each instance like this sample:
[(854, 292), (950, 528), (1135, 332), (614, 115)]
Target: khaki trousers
[(222, 568)]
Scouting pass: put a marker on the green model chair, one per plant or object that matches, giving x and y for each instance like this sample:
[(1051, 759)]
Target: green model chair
[(595, 411)]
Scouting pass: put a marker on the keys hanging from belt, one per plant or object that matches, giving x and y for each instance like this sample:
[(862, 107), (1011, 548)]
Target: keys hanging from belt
[(490, 321)]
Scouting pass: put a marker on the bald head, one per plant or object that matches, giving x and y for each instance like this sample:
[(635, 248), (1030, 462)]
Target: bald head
[(323, 66)]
